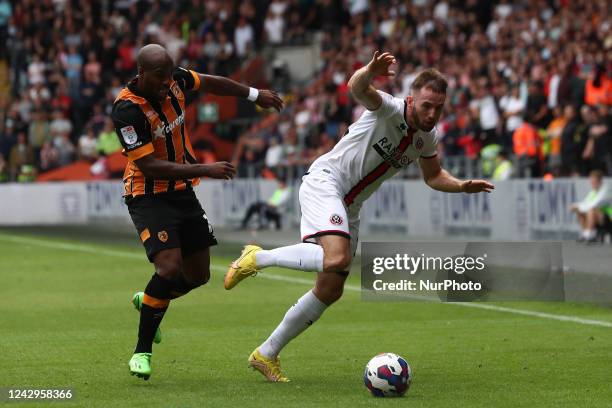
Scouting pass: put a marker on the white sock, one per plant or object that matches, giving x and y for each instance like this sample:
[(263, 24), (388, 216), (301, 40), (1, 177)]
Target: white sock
[(305, 257), (590, 234), (298, 318)]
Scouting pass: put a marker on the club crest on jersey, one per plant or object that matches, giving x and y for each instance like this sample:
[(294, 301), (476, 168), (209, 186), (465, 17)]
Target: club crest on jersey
[(419, 143), (129, 134), (162, 236), (336, 219)]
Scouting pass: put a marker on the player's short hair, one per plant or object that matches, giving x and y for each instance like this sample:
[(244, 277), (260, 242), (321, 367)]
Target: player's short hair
[(598, 174), (430, 78)]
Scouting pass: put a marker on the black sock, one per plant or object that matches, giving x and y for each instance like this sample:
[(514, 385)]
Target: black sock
[(154, 306)]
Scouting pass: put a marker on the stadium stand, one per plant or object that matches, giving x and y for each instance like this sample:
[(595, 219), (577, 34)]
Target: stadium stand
[(532, 77)]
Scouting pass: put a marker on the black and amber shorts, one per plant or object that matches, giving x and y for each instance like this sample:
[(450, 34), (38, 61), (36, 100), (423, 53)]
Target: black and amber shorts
[(171, 220)]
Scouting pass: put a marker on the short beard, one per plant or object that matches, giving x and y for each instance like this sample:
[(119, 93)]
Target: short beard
[(417, 122)]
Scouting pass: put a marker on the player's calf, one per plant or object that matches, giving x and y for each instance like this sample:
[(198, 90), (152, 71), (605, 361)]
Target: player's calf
[(329, 286)]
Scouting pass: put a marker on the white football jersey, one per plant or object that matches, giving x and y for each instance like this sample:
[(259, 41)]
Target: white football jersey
[(378, 145)]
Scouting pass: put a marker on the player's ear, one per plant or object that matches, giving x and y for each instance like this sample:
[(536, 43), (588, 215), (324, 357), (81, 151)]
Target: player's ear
[(410, 101)]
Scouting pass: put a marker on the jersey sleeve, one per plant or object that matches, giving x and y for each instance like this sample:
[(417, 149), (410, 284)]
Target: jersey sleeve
[(186, 79), (133, 129), (430, 146), (390, 105)]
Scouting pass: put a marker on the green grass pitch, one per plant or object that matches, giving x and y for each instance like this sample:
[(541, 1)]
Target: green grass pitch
[(66, 321)]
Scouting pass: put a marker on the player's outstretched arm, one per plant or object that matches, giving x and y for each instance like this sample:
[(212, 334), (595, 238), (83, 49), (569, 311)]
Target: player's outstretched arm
[(223, 86), (167, 170), (360, 83), (439, 179)]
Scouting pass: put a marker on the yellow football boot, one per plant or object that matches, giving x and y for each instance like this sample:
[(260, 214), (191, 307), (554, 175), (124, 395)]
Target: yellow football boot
[(242, 267), (270, 369)]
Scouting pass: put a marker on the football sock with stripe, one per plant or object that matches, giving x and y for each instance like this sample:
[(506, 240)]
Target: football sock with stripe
[(298, 318), (304, 257), (154, 305)]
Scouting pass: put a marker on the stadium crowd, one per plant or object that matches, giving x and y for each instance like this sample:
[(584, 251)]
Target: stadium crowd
[(529, 80)]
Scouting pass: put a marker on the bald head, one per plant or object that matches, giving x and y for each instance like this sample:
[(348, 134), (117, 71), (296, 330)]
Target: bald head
[(153, 56), (154, 71)]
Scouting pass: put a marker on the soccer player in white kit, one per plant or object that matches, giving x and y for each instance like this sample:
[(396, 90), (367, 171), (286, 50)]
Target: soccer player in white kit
[(388, 136)]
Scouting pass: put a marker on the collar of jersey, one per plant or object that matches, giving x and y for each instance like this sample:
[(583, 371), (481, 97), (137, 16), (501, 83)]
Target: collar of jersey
[(410, 128)]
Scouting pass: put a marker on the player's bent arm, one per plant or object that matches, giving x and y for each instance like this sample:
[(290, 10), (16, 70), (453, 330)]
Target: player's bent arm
[(439, 179), (223, 86), (158, 169), (361, 87)]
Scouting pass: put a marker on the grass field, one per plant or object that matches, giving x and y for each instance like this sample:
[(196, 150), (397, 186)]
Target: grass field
[(66, 321)]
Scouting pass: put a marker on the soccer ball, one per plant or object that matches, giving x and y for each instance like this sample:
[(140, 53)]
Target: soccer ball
[(387, 375)]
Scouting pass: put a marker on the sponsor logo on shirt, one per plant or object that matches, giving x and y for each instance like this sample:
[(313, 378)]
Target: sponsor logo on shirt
[(162, 131), (391, 153)]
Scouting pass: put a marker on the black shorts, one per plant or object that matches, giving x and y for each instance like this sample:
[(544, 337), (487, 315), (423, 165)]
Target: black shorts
[(171, 220)]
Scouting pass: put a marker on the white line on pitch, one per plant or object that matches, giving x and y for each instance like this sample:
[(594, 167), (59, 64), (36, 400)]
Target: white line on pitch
[(271, 276)]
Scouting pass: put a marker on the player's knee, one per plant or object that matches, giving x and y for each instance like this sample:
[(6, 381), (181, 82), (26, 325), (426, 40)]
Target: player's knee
[(169, 270), (203, 278), (337, 262)]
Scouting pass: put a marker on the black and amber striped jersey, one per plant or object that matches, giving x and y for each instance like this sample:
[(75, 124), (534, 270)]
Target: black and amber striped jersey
[(151, 127)]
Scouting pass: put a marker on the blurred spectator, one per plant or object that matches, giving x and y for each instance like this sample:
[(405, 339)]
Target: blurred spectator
[(5, 14), (274, 25), (62, 101), (88, 145), (597, 149), (39, 131), (270, 211), (274, 154), (512, 107), (243, 37), (73, 64), (21, 156), (570, 141), (591, 210), (488, 116), (598, 88), (97, 121), (108, 142), (60, 125), (504, 167), (36, 71), (552, 140), (4, 170), (536, 109), (527, 150), (66, 152), (49, 156)]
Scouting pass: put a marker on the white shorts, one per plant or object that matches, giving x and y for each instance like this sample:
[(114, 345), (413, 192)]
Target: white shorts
[(324, 212)]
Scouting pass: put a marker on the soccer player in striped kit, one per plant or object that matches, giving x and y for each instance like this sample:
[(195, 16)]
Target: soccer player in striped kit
[(149, 118)]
